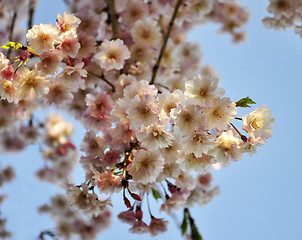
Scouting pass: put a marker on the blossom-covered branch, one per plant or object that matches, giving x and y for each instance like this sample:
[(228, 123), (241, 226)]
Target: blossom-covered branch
[(155, 119), (165, 40)]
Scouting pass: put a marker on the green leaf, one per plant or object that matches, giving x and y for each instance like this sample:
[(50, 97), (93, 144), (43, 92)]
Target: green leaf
[(244, 102), (184, 225), (156, 194), (12, 45), (117, 173), (195, 233)]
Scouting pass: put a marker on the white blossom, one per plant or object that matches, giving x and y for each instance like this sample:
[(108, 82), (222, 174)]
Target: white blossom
[(112, 55), (259, 122)]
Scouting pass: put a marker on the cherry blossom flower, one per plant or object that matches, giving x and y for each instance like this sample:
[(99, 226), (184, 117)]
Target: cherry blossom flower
[(112, 55), (100, 105), (139, 227), (189, 162), (69, 45), (140, 88), (50, 62), (142, 111), (72, 77), (221, 113), (146, 166), (168, 101), (3, 61), (155, 136), (198, 8), (187, 118), (31, 84), (259, 122), (58, 130), (281, 8), (146, 32), (88, 202), (108, 182), (8, 91), (67, 23), (8, 73), (227, 148), (197, 143), (157, 226), (203, 89), (41, 38), (127, 217), (175, 202)]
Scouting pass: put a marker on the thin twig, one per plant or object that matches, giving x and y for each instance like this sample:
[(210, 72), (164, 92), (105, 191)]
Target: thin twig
[(243, 138), (102, 77), (47, 233), (11, 32), (31, 11), (114, 17), (163, 86), (165, 41), (236, 129)]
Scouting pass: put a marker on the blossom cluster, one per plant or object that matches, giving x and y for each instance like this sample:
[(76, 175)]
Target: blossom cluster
[(286, 14), (70, 222), (157, 123)]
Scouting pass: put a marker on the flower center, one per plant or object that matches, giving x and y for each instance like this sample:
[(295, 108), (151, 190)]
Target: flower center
[(257, 124)]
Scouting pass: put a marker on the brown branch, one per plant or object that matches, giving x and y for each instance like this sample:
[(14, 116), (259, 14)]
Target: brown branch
[(163, 86), (11, 32), (165, 41), (243, 138), (31, 11), (114, 17), (102, 77)]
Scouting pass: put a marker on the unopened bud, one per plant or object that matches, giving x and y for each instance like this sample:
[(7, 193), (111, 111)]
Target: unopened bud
[(127, 202)]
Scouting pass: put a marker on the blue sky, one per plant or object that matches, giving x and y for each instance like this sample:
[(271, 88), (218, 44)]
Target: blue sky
[(260, 196)]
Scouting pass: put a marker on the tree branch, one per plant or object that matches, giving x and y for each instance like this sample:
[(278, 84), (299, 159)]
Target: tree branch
[(163, 47), (102, 77), (114, 17), (31, 11), (11, 32)]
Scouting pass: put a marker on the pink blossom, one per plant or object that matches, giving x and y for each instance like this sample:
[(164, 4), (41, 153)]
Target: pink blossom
[(7, 72), (108, 183), (158, 226), (139, 227), (127, 217), (112, 55)]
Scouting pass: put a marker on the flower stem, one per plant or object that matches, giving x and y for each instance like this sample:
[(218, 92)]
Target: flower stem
[(243, 138), (165, 41)]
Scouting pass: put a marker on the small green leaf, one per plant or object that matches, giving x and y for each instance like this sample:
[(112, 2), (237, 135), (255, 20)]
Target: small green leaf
[(117, 173), (195, 233), (184, 225), (244, 102), (156, 194), (12, 45)]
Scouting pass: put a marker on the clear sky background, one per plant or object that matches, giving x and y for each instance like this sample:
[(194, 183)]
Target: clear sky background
[(261, 196)]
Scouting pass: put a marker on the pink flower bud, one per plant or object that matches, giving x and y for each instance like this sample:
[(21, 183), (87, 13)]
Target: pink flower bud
[(136, 197), (8, 73), (24, 55), (127, 202)]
